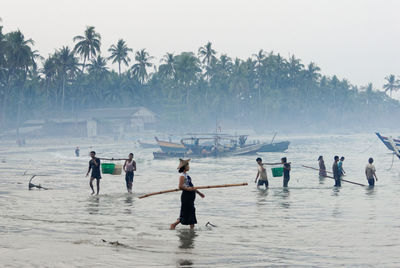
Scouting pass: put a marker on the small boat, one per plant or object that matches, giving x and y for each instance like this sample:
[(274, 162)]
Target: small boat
[(274, 147), (168, 147), (146, 145), (247, 150), (390, 143), (164, 155)]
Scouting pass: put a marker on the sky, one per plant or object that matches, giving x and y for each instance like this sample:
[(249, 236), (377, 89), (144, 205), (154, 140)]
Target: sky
[(358, 40)]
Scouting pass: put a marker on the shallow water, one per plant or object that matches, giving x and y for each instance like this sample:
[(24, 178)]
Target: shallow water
[(309, 224)]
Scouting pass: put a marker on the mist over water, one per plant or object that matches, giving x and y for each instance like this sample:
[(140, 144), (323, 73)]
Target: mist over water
[(309, 224)]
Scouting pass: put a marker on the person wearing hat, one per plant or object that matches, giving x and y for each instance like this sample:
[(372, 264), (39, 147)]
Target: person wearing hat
[(188, 211)]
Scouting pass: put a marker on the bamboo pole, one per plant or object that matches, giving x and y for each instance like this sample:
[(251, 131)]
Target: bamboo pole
[(113, 159), (195, 188), (352, 182)]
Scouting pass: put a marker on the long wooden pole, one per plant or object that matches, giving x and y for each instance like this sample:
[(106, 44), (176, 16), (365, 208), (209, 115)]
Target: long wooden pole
[(352, 182), (112, 159), (195, 188)]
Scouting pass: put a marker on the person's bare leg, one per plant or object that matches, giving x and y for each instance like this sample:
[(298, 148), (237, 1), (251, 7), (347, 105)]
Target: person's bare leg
[(192, 226), (91, 184), (130, 188), (173, 226), (98, 186)]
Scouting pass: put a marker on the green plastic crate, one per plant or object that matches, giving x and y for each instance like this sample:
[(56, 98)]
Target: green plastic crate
[(277, 172), (107, 168)]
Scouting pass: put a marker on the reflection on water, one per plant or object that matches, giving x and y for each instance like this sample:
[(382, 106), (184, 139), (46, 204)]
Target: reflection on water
[(370, 191), (93, 204), (186, 242), (186, 238)]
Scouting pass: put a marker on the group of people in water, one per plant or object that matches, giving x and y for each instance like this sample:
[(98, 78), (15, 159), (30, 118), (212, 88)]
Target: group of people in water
[(94, 166), (187, 214)]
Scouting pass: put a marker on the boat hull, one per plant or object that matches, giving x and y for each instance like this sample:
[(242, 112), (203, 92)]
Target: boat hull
[(274, 147)]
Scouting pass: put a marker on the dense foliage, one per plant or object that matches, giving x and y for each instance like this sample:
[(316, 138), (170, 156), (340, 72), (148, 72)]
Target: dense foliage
[(187, 89)]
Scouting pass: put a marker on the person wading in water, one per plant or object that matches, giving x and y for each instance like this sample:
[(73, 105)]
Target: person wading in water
[(261, 174), (94, 166), (370, 173), (322, 167), (188, 211), (336, 173), (129, 168)]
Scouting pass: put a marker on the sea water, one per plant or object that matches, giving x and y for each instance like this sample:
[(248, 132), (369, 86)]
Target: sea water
[(310, 223)]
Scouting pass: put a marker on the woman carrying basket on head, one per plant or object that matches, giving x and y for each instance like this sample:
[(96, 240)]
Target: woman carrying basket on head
[(188, 211)]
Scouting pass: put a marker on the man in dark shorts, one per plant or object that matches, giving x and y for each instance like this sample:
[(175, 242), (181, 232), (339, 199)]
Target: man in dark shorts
[(370, 172), (286, 171), (94, 165), (336, 172)]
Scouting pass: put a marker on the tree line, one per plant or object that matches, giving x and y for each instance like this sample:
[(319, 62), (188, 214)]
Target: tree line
[(189, 89)]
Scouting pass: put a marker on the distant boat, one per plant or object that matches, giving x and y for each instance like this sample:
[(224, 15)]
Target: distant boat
[(147, 145), (247, 150), (390, 143), (164, 155), (169, 147), (274, 147)]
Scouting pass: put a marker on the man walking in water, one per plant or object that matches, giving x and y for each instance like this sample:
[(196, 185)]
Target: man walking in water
[(262, 174), (340, 167), (129, 168), (370, 172), (336, 173), (94, 166)]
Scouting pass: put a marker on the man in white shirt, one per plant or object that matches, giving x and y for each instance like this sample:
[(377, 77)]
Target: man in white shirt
[(370, 172)]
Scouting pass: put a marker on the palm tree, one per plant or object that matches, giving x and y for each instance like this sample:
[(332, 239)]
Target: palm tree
[(50, 71), (167, 68), (67, 67), (187, 70), (392, 84), (260, 57), (119, 53), (295, 67), (88, 45), (98, 67), (139, 69), (207, 53), (18, 58), (312, 72)]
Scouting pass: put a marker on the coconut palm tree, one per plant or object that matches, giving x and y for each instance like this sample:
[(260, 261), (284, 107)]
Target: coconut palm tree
[(49, 71), (207, 53), (139, 69), (392, 84), (120, 54), (98, 67), (167, 67), (67, 67), (18, 58), (187, 70), (88, 44)]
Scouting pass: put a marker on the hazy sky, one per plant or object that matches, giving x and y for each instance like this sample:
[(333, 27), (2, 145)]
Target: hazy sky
[(355, 39)]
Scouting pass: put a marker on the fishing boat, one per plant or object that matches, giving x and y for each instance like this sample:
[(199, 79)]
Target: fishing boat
[(148, 145), (166, 155), (390, 143), (247, 150), (274, 147), (171, 147)]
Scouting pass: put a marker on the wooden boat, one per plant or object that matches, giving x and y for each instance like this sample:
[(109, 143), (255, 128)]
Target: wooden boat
[(168, 147), (247, 150), (390, 143), (164, 155), (146, 145), (274, 147)]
